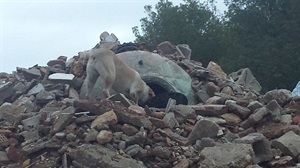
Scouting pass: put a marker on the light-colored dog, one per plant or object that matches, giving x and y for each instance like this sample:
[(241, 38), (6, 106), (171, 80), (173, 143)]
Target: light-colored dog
[(116, 74)]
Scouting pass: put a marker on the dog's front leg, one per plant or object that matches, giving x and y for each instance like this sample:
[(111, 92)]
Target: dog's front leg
[(109, 80)]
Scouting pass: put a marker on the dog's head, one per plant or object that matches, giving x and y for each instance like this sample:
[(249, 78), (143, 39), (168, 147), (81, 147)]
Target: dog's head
[(148, 94)]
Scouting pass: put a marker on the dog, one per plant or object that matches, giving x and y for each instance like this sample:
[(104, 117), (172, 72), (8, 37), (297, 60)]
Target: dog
[(116, 74)]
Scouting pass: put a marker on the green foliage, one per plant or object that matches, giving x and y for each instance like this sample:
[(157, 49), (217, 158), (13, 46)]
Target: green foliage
[(262, 35), (192, 23)]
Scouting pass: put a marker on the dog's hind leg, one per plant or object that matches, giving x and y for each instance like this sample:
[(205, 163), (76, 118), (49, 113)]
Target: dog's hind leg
[(108, 73)]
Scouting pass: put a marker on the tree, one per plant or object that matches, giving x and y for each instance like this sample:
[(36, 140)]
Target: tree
[(266, 36), (192, 23)]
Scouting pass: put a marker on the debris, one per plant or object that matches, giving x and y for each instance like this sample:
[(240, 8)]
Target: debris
[(200, 116)]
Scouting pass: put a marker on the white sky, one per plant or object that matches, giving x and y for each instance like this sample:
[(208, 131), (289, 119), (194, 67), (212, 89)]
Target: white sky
[(36, 31)]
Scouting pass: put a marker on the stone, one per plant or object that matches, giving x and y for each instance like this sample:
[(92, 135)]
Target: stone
[(73, 94), (13, 154), (231, 119), (185, 50), (286, 119), (71, 137), (60, 135), (285, 161), (217, 70), (260, 144), (228, 155), (129, 129), (275, 110), (33, 147), (36, 89), (44, 97), (183, 112), (61, 77), (227, 90), (32, 73), (60, 62), (254, 118), (31, 122), (211, 89), (183, 163), (104, 137), (170, 120), (214, 100), (202, 96), (245, 78), (210, 109), (216, 120), (229, 137), (289, 144), (6, 91), (161, 152), (3, 158), (107, 118), (122, 98), (138, 138), (98, 156), (166, 48), (12, 113), (137, 109), (61, 122), (241, 111), (135, 150), (254, 105), (95, 107), (203, 143), (273, 130), (296, 119), (91, 135), (125, 116), (158, 123), (282, 96), (174, 136), (203, 128)]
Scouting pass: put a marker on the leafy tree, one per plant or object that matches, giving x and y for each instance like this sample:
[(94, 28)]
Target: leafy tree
[(263, 35), (266, 36), (191, 22)]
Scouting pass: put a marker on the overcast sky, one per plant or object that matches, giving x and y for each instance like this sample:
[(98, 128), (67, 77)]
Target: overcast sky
[(36, 31)]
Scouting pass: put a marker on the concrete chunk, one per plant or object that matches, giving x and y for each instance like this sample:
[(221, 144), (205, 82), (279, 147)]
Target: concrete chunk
[(203, 128), (260, 145), (227, 155), (289, 144)]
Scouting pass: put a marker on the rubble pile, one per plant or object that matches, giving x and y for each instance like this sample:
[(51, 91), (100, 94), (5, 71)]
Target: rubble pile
[(44, 123)]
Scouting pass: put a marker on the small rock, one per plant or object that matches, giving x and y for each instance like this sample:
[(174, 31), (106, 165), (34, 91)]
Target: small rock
[(241, 111), (137, 109), (231, 119), (107, 118), (254, 105), (104, 137), (61, 122), (170, 120), (71, 137), (91, 136), (44, 97), (183, 112), (203, 128), (3, 158), (129, 129), (204, 142)]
